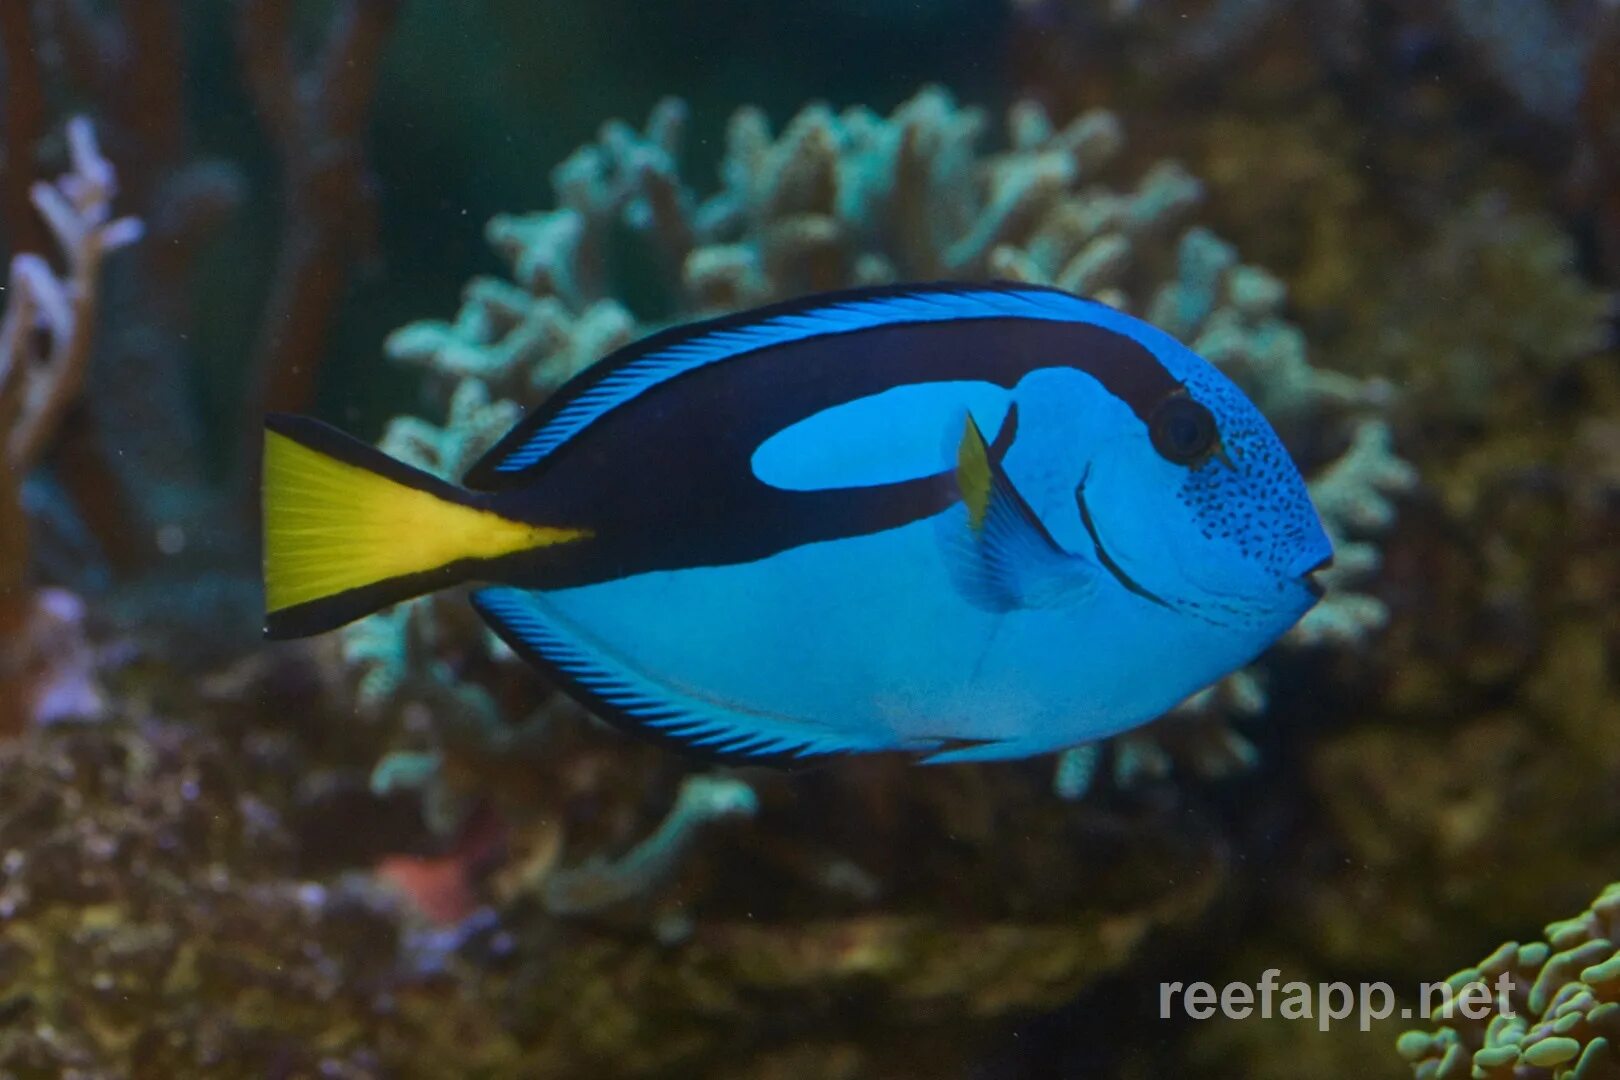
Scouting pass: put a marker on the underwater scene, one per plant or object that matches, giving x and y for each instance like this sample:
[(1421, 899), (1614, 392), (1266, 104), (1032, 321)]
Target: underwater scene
[(916, 539)]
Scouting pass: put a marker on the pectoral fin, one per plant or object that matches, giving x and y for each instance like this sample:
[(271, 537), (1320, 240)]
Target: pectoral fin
[(1001, 556)]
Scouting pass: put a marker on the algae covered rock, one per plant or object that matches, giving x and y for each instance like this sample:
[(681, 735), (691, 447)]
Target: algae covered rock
[(153, 924), (173, 903)]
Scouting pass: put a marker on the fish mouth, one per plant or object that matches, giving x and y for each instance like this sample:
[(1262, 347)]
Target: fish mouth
[(1103, 557), (1313, 584)]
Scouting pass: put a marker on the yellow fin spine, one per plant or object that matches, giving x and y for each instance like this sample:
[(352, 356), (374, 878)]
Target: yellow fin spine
[(973, 473)]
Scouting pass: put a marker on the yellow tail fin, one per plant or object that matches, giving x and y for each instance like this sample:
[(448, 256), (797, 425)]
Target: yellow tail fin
[(348, 530)]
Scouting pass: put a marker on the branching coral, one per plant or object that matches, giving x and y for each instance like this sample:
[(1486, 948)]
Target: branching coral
[(49, 322), (47, 663), (46, 329), (141, 477), (846, 198), (1561, 1019), (144, 471), (602, 883)]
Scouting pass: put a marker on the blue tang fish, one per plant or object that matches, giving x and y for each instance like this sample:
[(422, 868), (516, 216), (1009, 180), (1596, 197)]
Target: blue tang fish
[(965, 522)]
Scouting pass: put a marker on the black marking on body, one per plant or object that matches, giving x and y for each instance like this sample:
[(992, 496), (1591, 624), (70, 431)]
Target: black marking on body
[(664, 481), (1103, 557)]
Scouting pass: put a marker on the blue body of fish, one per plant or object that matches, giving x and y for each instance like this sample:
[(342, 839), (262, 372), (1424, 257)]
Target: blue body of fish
[(965, 522)]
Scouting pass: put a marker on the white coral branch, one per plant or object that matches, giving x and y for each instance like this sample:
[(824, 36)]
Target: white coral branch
[(48, 321)]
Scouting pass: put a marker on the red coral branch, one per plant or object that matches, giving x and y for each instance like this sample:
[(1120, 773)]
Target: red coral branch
[(317, 118)]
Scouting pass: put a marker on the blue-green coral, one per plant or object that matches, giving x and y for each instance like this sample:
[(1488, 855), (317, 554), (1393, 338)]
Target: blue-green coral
[(1562, 1020), (600, 883), (853, 197)]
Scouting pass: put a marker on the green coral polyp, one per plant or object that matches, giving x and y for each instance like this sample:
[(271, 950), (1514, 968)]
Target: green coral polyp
[(1564, 999)]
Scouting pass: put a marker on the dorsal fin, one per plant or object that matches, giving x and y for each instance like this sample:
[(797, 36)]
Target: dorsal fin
[(637, 368)]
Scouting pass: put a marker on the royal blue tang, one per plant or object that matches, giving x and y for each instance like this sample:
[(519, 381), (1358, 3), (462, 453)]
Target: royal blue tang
[(964, 522)]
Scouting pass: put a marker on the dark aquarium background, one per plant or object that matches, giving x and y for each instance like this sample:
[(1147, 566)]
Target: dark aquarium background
[(394, 851)]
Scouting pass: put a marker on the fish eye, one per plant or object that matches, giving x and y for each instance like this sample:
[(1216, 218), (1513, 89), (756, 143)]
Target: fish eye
[(1183, 431)]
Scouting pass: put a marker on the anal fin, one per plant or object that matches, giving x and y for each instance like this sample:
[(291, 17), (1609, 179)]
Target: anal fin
[(631, 700)]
